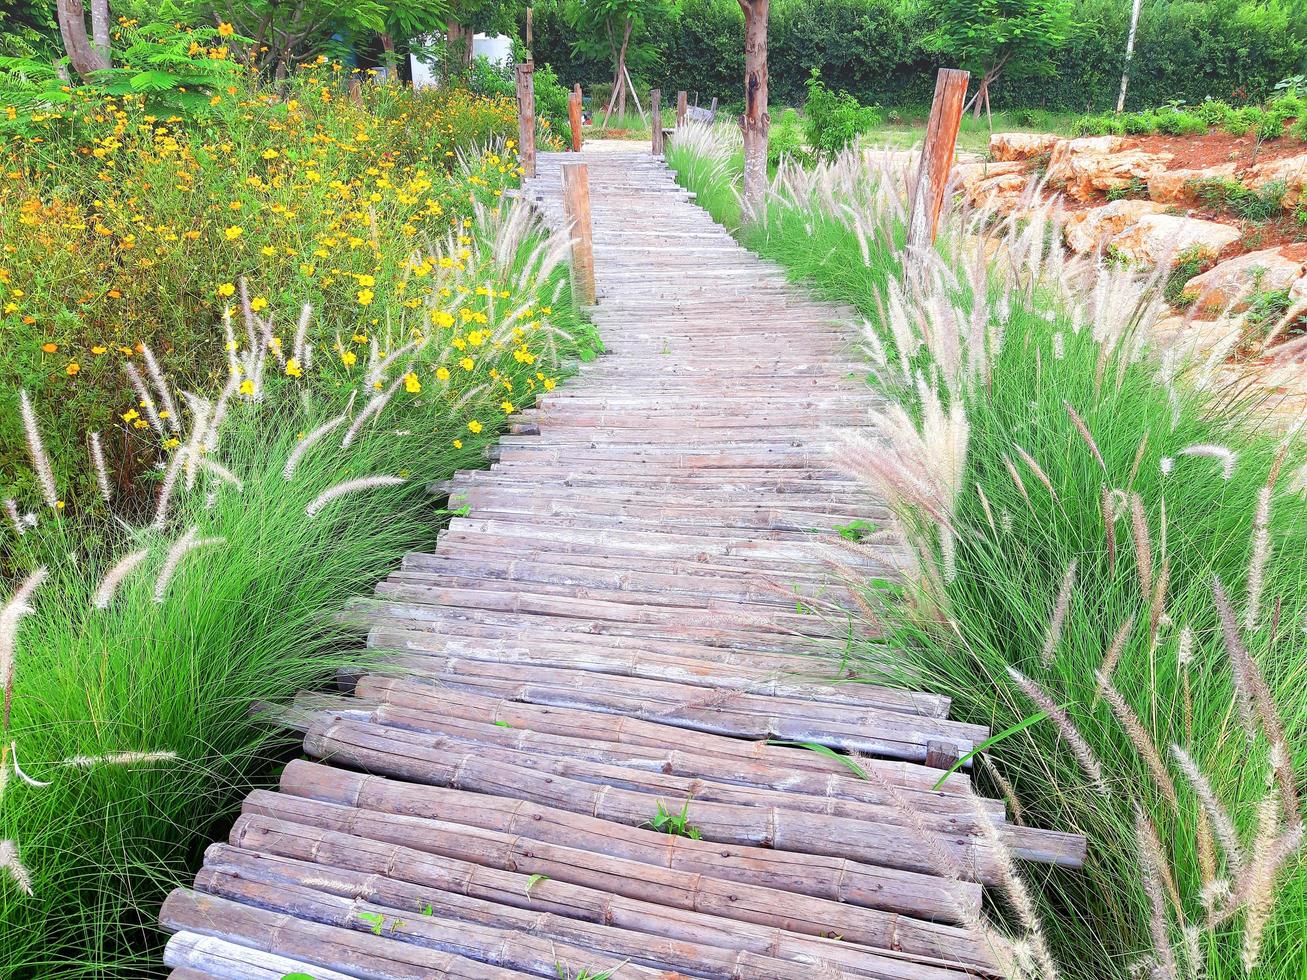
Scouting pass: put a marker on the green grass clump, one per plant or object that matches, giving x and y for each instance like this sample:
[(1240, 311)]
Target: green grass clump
[(1229, 195), (1155, 488)]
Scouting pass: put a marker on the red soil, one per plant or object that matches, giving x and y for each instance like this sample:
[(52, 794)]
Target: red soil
[(1216, 147)]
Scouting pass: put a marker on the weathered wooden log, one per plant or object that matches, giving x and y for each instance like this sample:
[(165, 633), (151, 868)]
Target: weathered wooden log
[(357, 954), (752, 817), (576, 209), (243, 876), (196, 956), (652, 882), (267, 835), (526, 117), (936, 161)]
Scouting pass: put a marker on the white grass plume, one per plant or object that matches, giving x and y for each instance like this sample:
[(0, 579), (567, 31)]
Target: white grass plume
[(161, 385), (1227, 456), (184, 545), (1259, 555), (11, 616), (118, 759), (309, 441), (1153, 867), (10, 863), (348, 487), (36, 450), (15, 518), (1223, 826), (114, 577), (101, 469), (1070, 734), (1140, 739), (1060, 607), (222, 473), (18, 770), (372, 409), (169, 485), (144, 397)]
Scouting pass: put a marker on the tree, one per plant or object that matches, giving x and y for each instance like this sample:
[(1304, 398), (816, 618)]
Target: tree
[(615, 28), (1129, 56), (994, 37), (467, 18), (755, 122), (86, 60)]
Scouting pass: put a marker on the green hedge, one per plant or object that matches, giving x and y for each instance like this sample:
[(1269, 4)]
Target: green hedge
[(1185, 50)]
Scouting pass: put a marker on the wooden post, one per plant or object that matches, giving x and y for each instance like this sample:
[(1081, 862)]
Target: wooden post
[(682, 103), (526, 117), (530, 33), (756, 121), (576, 211), (656, 114), (936, 157), (574, 117)]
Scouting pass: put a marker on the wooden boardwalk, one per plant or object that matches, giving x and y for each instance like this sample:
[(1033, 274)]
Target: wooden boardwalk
[(620, 626)]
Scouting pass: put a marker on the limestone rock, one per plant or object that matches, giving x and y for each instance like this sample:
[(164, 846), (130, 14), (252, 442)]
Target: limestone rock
[(1177, 186), (1268, 269), (1156, 237), (1005, 147), (1094, 164), (1298, 291), (1086, 230), (1291, 171)]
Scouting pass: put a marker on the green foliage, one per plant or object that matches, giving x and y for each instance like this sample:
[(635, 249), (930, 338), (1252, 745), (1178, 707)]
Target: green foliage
[(832, 121), (1136, 189), (785, 140), (1018, 37), (1189, 263), (676, 824), (1227, 194)]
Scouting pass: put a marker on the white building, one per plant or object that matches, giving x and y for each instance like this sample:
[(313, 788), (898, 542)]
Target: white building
[(496, 48)]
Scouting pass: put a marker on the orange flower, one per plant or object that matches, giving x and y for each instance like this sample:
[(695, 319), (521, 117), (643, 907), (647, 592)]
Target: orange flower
[(49, 348), (72, 368)]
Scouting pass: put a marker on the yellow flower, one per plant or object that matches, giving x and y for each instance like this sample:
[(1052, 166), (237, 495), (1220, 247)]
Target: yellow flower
[(234, 232), (467, 364), (507, 406), (72, 368), (458, 443), (227, 289), (97, 350), (443, 319), (411, 383), (258, 303), (442, 373), (172, 443), (348, 358), (270, 154), (365, 297), (293, 368), (131, 415), (474, 426), (49, 348), (247, 387), (226, 30)]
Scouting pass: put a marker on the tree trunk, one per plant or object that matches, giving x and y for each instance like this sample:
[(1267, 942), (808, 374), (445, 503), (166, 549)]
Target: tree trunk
[(755, 121), (72, 27), (1129, 56), (459, 40), (100, 30)]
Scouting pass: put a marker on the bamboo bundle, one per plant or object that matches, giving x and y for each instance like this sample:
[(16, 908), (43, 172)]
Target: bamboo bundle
[(266, 835), (197, 956)]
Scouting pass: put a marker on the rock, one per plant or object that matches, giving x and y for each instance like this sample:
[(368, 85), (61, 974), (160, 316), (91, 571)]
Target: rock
[(1176, 186), (1291, 171), (1298, 291), (1094, 164), (1268, 269), (1005, 147), (969, 175), (1086, 230), (1157, 237)]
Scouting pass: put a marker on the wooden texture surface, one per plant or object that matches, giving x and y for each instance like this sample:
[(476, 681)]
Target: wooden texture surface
[(937, 150), (635, 621)]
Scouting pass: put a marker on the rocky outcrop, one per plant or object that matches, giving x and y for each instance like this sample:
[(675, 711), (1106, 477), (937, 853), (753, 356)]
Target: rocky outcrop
[(1180, 186), (1291, 171), (1087, 230), (1269, 269), (1005, 147), (1155, 238), (1092, 165)]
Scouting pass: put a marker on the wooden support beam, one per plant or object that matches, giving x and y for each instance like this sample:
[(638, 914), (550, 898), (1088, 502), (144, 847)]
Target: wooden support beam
[(936, 156), (576, 209), (526, 117), (656, 115), (682, 103), (574, 117)]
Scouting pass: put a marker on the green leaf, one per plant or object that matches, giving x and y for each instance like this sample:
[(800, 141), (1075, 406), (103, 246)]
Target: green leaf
[(533, 881), (827, 751), (153, 81), (992, 740), (375, 919), (296, 976)]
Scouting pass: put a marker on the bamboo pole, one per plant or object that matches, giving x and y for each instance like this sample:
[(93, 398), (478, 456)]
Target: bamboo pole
[(576, 210), (936, 157), (526, 117), (194, 955), (574, 118)]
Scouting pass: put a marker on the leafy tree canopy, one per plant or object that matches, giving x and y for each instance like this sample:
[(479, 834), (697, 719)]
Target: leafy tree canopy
[(1018, 37)]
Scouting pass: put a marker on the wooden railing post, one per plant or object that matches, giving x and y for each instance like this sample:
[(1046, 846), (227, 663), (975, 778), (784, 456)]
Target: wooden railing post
[(576, 211), (526, 117), (682, 104), (574, 116), (656, 114), (936, 157)]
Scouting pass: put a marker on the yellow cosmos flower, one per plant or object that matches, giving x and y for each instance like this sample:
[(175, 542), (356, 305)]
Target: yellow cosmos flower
[(247, 388), (458, 443), (348, 358), (226, 30), (467, 364), (412, 384), (474, 426), (442, 373), (258, 303), (293, 369), (227, 289), (234, 232), (72, 368), (365, 297)]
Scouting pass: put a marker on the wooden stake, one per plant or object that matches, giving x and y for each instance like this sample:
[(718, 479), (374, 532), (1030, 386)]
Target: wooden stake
[(526, 117), (937, 156), (576, 209), (530, 34), (574, 117), (682, 101), (656, 115)]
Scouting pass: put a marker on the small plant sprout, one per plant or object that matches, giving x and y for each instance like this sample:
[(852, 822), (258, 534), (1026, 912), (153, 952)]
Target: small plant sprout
[(675, 824)]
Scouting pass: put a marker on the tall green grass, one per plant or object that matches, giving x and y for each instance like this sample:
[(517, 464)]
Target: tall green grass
[(960, 636)]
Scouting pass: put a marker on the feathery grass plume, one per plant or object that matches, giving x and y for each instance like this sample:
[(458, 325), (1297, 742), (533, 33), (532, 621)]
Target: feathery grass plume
[(1227, 456), (1109, 525), (169, 485), (118, 759), (161, 385), (222, 473), (114, 577), (1222, 825), (1117, 646), (184, 545), (1257, 887), (1066, 729), (1006, 788), (348, 487), (989, 513), (1259, 554), (1158, 607), (1238, 655), (11, 616), (10, 863), (1054, 635), (201, 410), (1143, 544), (1085, 434), (1018, 894), (1139, 458), (299, 350), (18, 771), (143, 396), (1016, 478), (1152, 863), (309, 441), (1038, 470), (101, 469), (36, 451), (1140, 739), (1185, 650), (372, 409), (15, 518)]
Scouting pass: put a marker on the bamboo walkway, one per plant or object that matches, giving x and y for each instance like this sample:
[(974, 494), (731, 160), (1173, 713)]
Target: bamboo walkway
[(621, 627)]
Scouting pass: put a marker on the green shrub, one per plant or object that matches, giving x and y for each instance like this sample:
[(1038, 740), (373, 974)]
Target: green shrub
[(786, 139), (833, 120), (1188, 263), (1179, 122), (1214, 112), (1227, 194)]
